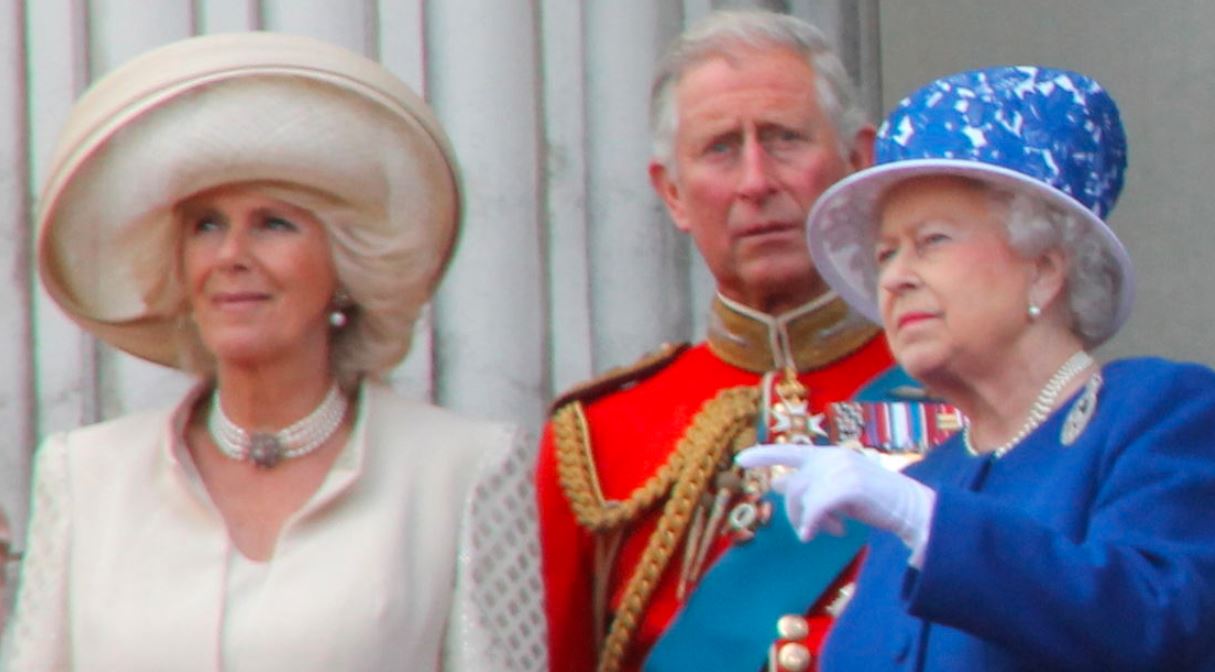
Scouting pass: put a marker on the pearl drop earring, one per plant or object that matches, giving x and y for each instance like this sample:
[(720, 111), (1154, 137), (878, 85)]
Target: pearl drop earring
[(337, 316)]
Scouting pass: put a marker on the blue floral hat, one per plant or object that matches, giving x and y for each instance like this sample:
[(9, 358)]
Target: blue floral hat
[(1053, 133)]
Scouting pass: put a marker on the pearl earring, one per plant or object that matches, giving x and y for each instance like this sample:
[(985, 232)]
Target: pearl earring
[(337, 316), (1034, 311)]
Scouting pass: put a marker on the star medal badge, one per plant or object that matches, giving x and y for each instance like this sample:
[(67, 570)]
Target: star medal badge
[(784, 418)]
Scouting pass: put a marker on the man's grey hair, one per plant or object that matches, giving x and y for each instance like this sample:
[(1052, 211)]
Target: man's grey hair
[(730, 34)]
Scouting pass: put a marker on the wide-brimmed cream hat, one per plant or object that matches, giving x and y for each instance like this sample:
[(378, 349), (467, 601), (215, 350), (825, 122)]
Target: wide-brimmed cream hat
[(235, 108)]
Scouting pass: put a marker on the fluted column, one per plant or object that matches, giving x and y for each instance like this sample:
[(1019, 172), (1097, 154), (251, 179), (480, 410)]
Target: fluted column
[(639, 283), (483, 79), (16, 385)]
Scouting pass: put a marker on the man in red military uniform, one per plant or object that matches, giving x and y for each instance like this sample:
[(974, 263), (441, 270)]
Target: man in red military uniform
[(640, 505)]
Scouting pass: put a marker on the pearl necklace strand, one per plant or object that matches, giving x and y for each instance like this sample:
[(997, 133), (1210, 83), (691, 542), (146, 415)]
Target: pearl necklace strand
[(267, 449), (1042, 405)]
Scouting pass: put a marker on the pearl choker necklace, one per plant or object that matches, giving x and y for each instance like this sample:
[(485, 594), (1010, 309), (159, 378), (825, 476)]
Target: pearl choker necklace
[(267, 449), (1042, 405)]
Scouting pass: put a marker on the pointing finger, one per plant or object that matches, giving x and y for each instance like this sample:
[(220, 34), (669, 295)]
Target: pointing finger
[(772, 455)]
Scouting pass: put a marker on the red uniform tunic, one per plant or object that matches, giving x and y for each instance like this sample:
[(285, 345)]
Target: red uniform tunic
[(632, 431)]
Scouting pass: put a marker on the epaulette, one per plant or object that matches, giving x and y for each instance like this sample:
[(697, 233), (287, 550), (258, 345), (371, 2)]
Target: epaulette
[(621, 376)]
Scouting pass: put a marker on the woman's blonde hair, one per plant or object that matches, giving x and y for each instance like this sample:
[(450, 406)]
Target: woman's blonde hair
[(379, 269)]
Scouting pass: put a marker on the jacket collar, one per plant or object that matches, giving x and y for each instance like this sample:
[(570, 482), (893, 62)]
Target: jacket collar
[(808, 337)]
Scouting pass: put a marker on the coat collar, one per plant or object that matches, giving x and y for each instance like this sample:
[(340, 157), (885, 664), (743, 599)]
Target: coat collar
[(808, 337)]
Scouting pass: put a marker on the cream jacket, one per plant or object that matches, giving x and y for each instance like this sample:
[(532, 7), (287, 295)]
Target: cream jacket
[(129, 565)]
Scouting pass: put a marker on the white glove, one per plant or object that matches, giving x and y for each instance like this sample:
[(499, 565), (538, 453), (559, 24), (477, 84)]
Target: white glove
[(831, 482)]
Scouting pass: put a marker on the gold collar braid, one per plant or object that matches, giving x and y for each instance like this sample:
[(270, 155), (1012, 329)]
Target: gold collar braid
[(723, 425), (808, 337)]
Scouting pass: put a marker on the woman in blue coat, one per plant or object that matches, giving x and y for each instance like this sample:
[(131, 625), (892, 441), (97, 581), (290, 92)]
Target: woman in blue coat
[(1071, 524)]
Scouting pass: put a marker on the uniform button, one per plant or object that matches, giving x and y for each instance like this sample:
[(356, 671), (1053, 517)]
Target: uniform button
[(792, 626), (793, 657)]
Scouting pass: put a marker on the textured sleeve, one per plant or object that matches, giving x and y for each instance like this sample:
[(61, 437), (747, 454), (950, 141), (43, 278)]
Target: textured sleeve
[(498, 614), (37, 636)]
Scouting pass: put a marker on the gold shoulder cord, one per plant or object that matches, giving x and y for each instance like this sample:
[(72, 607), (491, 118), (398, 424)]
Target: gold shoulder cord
[(721, 425)]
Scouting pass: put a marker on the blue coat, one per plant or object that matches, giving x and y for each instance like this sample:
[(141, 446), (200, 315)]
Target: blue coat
[(1095, 556)]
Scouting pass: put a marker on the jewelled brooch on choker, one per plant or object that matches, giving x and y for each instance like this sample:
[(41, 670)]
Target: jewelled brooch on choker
[(267, 449)]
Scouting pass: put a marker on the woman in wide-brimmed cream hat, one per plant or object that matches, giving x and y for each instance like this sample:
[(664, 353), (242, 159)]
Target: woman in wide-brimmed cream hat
[(271, 213)]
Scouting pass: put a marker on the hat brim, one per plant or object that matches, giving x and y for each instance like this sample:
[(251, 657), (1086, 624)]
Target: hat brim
[(178, 120), (841, 227)]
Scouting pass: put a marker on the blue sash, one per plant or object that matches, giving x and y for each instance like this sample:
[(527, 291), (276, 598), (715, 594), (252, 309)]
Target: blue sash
[(729, 621)]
